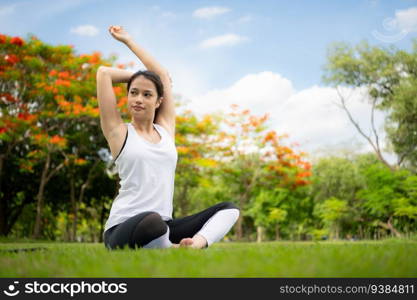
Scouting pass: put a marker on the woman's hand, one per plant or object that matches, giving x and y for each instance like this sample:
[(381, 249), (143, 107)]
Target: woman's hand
[(119, 33)]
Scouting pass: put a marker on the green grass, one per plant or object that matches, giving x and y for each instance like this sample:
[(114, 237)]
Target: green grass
[(388, 258)]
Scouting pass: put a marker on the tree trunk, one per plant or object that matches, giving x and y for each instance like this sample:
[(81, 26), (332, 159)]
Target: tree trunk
[(39, 198), (239, 224), (259, 234), (277, 236), (239, 233), (102, 221), (390, 227), (183, 201), (74, 208), (81, 196)]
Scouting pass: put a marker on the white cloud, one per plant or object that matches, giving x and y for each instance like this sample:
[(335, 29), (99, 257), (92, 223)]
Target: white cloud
[(210, 12), (310, 117), (407, 19), (85, 30), (223, 40), (259, 92), (187, 80)]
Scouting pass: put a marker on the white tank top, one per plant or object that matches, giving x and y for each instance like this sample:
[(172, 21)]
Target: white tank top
[(147, 174)]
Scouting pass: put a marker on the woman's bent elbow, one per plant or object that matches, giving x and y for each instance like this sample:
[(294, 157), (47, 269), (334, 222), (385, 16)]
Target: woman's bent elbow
[(101, 70)]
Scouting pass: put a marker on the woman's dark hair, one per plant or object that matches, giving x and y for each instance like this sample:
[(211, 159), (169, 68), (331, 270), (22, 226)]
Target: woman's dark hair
[(152, 76)]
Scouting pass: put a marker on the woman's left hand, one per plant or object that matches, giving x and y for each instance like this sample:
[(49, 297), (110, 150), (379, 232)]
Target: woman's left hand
[(119, 33)]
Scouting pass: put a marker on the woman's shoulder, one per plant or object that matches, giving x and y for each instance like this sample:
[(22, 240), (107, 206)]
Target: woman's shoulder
[(166, 129)]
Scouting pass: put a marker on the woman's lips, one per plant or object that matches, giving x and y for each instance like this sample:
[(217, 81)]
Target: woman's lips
[(138, 108)]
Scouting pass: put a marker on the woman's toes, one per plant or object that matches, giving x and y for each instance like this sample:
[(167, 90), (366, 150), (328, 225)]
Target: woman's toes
[(186, 242)]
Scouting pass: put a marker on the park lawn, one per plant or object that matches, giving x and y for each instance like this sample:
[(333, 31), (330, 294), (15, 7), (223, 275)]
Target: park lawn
[(387, 258)]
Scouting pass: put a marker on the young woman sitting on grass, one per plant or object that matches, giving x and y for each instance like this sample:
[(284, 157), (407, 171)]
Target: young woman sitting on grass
[(146, 158)]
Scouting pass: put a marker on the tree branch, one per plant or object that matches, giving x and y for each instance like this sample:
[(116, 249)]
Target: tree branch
[(375, 147)]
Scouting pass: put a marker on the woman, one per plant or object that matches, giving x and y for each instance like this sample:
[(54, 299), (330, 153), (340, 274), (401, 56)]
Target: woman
[(146, 158)]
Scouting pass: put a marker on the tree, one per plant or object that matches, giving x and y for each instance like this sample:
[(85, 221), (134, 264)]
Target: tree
[(45, 91), (389, 78), (268, 210), (196, 156), (332, 211), (387, 195), (256, 160)]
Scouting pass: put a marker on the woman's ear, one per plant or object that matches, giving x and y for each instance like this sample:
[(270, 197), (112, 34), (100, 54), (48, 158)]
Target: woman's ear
[(159, 101)]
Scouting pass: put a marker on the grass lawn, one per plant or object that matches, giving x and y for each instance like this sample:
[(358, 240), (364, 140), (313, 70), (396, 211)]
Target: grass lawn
[(387, 258)]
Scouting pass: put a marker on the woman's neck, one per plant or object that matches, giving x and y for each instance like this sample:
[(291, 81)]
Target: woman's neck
[(143, 126)]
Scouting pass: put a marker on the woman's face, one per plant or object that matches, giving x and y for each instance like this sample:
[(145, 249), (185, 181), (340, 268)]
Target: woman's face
[(142, 99)]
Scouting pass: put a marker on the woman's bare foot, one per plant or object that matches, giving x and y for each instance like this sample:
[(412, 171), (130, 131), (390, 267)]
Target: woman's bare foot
[(186, 242), (197, 242)]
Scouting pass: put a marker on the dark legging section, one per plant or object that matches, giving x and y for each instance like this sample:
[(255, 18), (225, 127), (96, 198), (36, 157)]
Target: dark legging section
[(142, 228), (136, 231)]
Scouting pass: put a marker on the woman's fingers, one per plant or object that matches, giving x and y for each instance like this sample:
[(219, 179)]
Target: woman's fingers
[(118, 32), (117, 27)]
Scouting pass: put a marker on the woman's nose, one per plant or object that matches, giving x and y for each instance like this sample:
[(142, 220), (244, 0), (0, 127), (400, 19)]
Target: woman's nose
[(139, 99)]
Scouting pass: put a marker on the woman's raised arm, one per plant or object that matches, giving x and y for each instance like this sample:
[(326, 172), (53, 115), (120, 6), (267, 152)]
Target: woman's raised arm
[(166, 111), (110, 118)]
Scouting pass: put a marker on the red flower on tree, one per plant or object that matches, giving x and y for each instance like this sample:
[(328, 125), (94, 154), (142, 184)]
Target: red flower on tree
[(62, 82), (2, 39), (11, 58), (17, 41), (63, 75), (26, 116), (57, 140), (53, 73)]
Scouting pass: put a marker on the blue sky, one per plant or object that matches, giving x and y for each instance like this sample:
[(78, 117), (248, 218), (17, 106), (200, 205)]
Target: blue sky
[(286, 37), (222, 51)]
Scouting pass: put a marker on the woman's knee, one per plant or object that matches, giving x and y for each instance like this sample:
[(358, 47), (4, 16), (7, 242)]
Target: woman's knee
[(228, 205), (149, 228)]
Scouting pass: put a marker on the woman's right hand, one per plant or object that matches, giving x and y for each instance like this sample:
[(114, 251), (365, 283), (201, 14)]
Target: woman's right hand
[(119, 33)]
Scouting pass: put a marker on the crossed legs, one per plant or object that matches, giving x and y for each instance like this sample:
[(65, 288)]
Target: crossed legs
[(148, 230)]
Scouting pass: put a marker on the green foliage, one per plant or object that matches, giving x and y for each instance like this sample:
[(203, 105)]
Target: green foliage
[(267, 207), (389, 75), (382, 187), (332, 210)]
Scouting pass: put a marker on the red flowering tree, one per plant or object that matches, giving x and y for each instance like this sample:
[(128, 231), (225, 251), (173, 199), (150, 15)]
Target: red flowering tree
[(256, 160), (48, 107)]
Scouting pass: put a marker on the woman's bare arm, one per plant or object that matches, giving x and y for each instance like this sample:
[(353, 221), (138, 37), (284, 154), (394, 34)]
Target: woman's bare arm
[(110, 118), (166, 112)]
